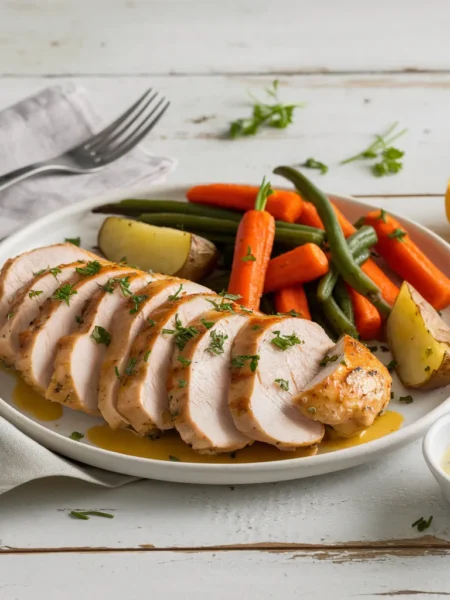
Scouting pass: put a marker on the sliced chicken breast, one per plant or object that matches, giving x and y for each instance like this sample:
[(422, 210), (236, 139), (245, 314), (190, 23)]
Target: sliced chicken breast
[(80, 355), (28, 302), (143, 397), (199, 381), (124, 330), (350, 390), (272, 360), (59, 316), (18, 271)]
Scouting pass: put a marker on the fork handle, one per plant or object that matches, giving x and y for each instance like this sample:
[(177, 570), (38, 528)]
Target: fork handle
[(25, 172)]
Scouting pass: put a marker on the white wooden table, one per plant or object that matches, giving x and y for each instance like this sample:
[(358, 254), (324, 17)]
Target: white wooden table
[(359, 66)]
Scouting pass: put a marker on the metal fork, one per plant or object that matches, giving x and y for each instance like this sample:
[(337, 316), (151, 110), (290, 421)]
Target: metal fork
[(111, 143)]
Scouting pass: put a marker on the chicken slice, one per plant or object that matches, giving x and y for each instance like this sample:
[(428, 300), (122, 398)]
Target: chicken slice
[(58, 317), (350, 390), (199, 381), (18, 271), (272, 360), (28, 302), (143, 398), (124, 329), (80, 355)]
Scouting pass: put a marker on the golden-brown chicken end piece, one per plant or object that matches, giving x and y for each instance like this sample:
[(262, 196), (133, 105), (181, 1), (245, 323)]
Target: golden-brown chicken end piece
[(349, 392)]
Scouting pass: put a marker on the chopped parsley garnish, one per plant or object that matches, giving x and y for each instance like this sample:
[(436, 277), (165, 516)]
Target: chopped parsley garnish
[(101, 336), (392, 366), (176, 296), (85, 514), (146, 355), (116, 371), (422, 524), (184, 361), (406, 399), (137, 301), (249, 256), (129, 369), (222, 307), (372, 348), (122, 282), (9, 316), (182, 383), (91, 268), (217, 342), (55, 271), (35, 293), (168, 331), (150, 322), (283, 342), (79, 320), (273, 114), (291, 313), (228, 296), (284, 385), (256, 327), (38, 273), (389, 163), (76, 436), (312, 163), (427, 368), (397, 234), (312, 410), (384, 349), (327, 359), (64, 293), (174, 458), (382, 215), (240, 360), (74, 241), (207, 324), (181, 334)]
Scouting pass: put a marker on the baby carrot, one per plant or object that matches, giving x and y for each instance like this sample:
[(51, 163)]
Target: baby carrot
[(252, 250), (310, 217), (284, 205), (388, 290), (304, 263), (367, 318), (292, 298), (408, 261)]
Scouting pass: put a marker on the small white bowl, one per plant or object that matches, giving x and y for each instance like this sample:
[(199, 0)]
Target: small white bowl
[(435, 444)]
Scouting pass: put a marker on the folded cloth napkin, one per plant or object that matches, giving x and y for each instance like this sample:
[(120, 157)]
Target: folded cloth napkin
[(22, 459), (46, 125), (39, 128)]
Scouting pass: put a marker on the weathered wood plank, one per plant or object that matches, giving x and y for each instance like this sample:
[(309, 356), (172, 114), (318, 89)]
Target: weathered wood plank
[(200, 36), (192, 576)]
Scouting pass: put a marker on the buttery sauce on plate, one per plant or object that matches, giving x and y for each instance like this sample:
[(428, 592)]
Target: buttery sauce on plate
[(170, 447)]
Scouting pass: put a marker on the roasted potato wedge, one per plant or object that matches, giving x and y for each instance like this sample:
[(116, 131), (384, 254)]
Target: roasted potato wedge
[(160, 249), (419, 340)]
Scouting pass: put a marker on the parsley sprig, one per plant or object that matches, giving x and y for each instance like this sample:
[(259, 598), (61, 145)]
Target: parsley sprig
[(100, 335), (91, 268), (381, 148), (217, 342), (240, 360), (312, 163), (181, 334), (283, 342), (64, 293), (265, 114)]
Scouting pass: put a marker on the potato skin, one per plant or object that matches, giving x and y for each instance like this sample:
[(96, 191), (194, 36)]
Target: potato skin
[(201, 260), (419, 340)]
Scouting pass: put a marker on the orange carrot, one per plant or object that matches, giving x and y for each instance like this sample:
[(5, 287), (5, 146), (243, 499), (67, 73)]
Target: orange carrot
[(304, 263), (388, 290), (309, 216), (252, 250), (292, 298), (347, 227), (283, 205), (407, 260), (367, 318)]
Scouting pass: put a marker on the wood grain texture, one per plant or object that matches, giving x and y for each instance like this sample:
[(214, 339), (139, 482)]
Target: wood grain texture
[(238, 36), (342, 115), (200, 576)]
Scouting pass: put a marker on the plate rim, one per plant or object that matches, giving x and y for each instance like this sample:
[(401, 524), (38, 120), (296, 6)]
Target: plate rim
[(315, 464)]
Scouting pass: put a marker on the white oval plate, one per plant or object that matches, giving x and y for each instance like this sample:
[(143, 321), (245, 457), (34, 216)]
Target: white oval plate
[(77, 221)]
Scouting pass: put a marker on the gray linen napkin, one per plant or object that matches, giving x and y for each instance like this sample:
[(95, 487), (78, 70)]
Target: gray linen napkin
[(39, 128), (45, 125)]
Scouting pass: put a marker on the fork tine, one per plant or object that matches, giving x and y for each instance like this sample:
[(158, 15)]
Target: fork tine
[(111, 136), (112, 126), (137, 135)]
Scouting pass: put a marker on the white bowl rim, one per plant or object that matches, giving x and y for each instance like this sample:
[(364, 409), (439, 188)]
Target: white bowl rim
[(435, 462)]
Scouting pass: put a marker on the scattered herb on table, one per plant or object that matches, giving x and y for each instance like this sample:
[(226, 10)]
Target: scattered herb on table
[(217, 342), (91, 268), (74, 241), (240, 360), (422, 524), (283, 342), (312, 163), (64, 293), (269, 114), (76, 436), (85, 514), (284, 385), (101, 336)]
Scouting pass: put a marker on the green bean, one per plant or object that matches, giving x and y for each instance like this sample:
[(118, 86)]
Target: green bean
[(295, 237), (138, 207), (358, 244), (337, 319), (340, 252), (342, 298)]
